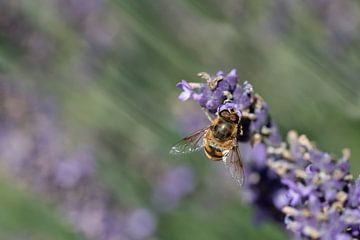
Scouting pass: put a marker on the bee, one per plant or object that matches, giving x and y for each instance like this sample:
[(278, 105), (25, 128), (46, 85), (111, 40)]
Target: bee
[(219, 142)]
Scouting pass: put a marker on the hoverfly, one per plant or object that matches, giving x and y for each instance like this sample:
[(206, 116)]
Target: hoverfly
[(219, 142)]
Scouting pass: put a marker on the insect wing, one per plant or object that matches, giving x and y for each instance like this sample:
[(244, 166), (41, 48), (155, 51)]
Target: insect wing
[(191, 143), (233, 162)]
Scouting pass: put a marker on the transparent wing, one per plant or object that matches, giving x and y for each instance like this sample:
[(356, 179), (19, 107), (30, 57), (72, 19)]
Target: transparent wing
[(233, 162), (191, 143)]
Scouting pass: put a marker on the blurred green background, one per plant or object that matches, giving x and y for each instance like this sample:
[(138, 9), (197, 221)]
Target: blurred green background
[(108, 70)]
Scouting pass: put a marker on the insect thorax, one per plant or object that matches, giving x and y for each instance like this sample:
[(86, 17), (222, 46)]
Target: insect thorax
[(222, 130)]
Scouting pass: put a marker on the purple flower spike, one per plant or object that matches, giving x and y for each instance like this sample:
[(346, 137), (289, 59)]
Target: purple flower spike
[(312, 193), (187, 90)]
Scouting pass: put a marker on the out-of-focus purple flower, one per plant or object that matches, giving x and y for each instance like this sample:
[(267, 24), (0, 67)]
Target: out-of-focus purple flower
[(274, 137), (89, 219), (259, 154), (187, 90), (175, 185), (32, 150), (140, 224), (262, 115), (354, 194), (280, 198), (70, 171), (77, 10), (15, 147)]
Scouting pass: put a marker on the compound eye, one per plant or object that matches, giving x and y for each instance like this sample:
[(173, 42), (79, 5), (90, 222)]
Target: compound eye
[(234, 118), (225, 114)]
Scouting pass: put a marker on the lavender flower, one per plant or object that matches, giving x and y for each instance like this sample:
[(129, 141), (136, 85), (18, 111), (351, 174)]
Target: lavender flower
[(70, 171), (187, 90), (311, 192), (177, 183), (212, 94), (140, 224), (257, 128), (31, 150), (319, 189)]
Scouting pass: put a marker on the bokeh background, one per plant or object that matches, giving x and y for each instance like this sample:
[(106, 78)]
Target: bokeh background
[(89, 109)]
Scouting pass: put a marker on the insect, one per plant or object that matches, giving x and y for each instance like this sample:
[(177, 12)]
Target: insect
[(219, 142)]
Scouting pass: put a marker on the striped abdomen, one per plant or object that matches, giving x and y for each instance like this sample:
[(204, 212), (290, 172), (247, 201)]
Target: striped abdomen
[(213, 153)]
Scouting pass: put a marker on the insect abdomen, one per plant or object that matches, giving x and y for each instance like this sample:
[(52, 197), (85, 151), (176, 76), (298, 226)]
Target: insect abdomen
[(213, 153)]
